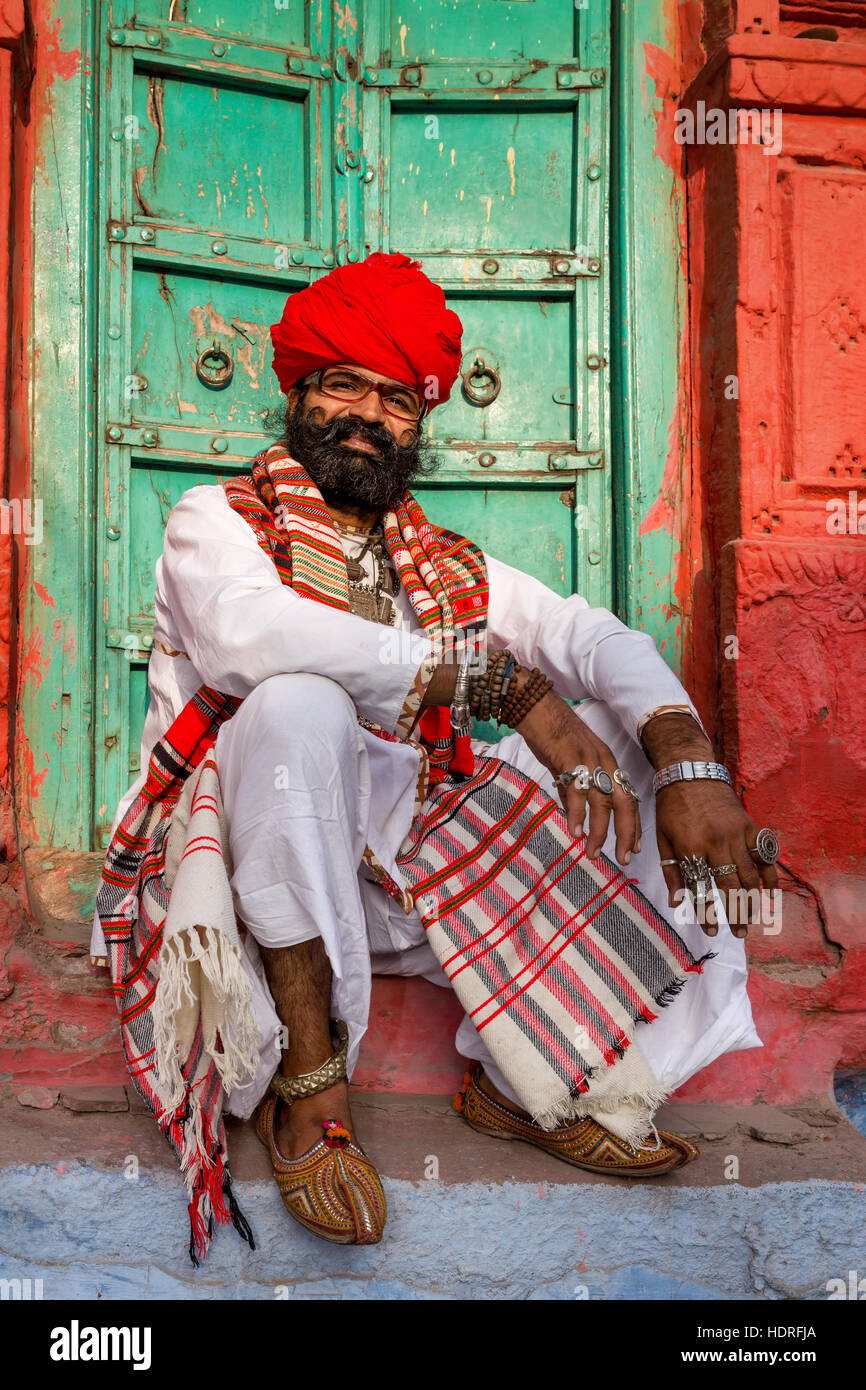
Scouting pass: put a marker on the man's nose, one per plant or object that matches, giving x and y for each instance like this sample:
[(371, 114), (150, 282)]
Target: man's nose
[(369, 409)]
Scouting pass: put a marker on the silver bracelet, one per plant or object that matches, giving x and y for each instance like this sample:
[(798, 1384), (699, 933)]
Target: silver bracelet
[(461, 714), (691, 772)]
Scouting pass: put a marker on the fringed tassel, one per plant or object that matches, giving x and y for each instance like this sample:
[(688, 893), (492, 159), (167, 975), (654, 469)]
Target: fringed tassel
[(699, 964), (579, 1086), (204, 1166), (238, 1220), (212, 1200), (199, 1230), (233, 1045), (669, 993)]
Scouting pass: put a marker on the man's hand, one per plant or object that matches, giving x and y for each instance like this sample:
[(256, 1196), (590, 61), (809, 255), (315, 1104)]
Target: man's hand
[(702, 818), (561, 740)]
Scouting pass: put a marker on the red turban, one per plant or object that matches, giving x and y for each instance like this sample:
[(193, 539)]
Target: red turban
[(383, 313)]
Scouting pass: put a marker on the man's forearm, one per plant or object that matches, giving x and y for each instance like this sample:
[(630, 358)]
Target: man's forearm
[(666, 738), (673, 737)]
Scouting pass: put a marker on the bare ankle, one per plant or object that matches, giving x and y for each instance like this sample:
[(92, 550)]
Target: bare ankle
[(487, 1086)]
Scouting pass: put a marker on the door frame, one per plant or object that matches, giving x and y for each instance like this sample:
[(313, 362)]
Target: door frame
[(649, 324), (58, 711)]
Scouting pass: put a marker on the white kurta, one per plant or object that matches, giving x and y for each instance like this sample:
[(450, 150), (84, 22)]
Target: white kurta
[(220, 603)]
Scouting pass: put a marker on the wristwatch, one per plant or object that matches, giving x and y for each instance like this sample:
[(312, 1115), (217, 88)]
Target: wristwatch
[(691, 772)]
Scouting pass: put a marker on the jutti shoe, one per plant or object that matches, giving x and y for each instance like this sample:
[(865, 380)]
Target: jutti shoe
[(585, 1144), (332, 1189)]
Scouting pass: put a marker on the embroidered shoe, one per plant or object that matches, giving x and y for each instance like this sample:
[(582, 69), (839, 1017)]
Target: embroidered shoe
[(585, 1143), (332, 1189)]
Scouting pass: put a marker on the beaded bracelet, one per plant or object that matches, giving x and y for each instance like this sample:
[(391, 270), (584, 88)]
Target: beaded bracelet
[(486, 690), (516, 706), (495, 682), (507, 673)]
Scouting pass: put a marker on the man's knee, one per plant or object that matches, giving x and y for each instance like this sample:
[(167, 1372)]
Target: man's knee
[(301, 704), (306, 724)]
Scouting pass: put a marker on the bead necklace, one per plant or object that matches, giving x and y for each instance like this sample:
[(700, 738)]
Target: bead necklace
[(352, 530)]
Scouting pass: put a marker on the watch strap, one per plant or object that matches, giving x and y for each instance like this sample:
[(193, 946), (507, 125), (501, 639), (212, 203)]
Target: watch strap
[(691, 771)]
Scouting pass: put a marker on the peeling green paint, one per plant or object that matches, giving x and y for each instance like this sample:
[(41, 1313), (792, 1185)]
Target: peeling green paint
[(649, 319)]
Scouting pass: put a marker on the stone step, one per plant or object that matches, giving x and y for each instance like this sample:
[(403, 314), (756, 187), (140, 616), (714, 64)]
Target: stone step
[(403, 1133)]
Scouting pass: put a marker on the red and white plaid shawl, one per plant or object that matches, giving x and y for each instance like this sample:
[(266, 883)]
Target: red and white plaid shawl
[(555, 959)]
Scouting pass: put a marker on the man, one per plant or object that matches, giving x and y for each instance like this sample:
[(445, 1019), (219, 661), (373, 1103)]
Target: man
[(364, 831)]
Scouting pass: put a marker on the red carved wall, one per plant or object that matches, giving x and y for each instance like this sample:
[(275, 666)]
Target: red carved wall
[(778, 301)]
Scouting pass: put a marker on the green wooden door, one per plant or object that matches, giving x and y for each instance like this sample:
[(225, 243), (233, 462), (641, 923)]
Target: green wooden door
[(247, 146)]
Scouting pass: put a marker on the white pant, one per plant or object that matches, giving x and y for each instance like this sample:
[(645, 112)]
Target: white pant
[(305, 787)]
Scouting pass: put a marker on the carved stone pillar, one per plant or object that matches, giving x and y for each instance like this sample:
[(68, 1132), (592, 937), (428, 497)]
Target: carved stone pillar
[(777, 234)]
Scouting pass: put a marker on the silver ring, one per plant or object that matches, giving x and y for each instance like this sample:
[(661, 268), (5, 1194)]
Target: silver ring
[(603, 781), (665, 862), (580, 777), (766, 846), (696, 872), (623, 780)]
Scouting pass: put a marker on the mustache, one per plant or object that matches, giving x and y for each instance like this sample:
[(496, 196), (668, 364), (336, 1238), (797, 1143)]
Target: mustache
[(341, 427)]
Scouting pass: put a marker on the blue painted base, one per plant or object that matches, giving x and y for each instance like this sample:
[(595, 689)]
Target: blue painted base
[(87, 1233)]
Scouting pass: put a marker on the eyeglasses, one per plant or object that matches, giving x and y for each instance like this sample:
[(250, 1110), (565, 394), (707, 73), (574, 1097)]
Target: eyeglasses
[(342, 384)]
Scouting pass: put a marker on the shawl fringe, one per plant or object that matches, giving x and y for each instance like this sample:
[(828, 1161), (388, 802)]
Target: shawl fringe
[(230, 1035)]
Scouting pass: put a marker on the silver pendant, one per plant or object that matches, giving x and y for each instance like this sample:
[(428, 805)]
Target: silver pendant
[(363, 603), (386, 610)]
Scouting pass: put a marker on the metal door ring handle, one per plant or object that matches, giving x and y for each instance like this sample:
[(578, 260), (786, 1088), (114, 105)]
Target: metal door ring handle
[(482, 395), (215, 377)]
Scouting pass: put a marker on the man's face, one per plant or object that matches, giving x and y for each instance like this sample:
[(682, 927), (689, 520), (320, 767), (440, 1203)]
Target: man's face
[(356, 452)]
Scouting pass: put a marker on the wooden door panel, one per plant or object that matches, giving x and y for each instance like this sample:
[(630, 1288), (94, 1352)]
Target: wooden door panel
[(220, 157), (541, 29), (527, 340), (528, 527), (267, 21), (176, 317), (470, 179)]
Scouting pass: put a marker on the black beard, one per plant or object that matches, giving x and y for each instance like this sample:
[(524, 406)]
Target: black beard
[(351, 476)]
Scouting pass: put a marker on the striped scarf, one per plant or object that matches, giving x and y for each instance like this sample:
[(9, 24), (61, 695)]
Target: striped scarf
[(555, 958)]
